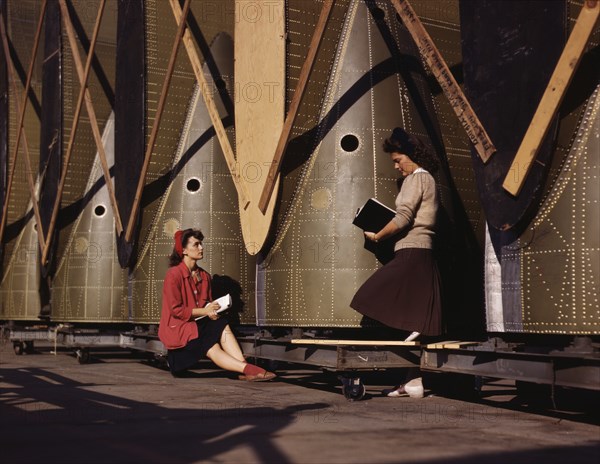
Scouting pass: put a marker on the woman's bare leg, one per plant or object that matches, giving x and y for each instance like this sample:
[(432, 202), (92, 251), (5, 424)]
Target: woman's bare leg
[(230, 345), (224, 360)]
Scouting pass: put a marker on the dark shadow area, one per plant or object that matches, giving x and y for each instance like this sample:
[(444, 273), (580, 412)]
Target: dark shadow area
[(223, 285), (130, 117), (73, 423), (562, 403), (585, 81), (210, 63)]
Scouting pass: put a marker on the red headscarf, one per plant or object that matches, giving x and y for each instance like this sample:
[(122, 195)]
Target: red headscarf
[(178, 244)]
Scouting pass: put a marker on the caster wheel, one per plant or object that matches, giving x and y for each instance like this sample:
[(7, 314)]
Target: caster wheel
[(18, 347), (28, 347), (353, 388), (83, 356)]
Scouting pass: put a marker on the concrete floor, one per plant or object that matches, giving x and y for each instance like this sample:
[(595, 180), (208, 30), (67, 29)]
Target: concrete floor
[(120, 408)]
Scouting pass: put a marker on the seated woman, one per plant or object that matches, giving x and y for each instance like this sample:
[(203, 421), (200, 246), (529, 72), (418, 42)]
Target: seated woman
[(186, 296)]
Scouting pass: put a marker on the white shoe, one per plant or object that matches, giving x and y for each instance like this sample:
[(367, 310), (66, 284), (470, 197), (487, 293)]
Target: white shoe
[(395, 392), (412, 336), (414, 388)]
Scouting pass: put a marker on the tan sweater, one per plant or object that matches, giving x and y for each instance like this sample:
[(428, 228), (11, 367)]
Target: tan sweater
[(416, 210)]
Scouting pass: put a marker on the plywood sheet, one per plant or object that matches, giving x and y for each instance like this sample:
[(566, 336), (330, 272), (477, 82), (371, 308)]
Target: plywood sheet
[(260, 105)]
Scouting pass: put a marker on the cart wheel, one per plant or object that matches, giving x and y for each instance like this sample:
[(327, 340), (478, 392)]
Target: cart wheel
[(18, 347), (353, 388), (83, 355), (28, 347)]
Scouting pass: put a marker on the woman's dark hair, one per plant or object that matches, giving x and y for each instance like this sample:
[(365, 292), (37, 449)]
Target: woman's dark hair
[(412, 146), (175, 258)]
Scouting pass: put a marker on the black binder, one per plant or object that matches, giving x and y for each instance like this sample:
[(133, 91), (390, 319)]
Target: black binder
[(373, 216)]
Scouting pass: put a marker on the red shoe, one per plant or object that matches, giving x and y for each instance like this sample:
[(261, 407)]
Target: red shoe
[(262, 377)]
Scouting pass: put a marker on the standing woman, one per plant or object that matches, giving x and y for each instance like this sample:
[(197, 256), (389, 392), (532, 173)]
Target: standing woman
[(187, 295), (405, 293)]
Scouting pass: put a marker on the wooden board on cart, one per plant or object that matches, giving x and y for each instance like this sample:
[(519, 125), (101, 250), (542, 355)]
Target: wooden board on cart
[(451, 345), (308, 341)]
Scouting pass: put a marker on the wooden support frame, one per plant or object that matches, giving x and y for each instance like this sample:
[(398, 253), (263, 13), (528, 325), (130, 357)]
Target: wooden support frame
[(461, 106), (161, 105), (275, 165), (74, 126), (240, 185), (555, 91), (90, 110), (21, 131)]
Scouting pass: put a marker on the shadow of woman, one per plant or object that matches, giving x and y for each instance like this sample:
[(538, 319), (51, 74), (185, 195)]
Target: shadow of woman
[(74, 422)]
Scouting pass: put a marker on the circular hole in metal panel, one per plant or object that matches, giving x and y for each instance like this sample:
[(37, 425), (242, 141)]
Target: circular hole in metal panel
[(193, 185), (349, 143), (100, 210)]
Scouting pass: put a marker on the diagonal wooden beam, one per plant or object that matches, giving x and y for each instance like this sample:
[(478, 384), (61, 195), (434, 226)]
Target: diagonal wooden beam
[(74, 126), (159, 111), (461, 106), (91, 112), (20, 129), (240, 185), (284, 138), (555, 91), (21, 112)]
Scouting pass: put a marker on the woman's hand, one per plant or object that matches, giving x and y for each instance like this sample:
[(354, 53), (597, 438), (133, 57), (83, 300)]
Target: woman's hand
[(371, 236), (210, 310)]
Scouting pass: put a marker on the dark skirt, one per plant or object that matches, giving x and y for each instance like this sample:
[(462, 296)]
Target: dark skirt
[(209, 334), (404, 294)]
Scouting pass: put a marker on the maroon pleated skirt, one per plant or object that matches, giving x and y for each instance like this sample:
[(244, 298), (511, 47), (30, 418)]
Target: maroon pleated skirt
[(405, 293)]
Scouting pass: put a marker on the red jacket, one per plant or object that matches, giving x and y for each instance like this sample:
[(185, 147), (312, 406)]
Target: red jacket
[(181, 294)]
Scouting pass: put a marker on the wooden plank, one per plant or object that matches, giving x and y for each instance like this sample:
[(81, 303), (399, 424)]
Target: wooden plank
[(308, 341), (21, 112), (213, 112), (461, 106), (155, 126), (458, 345), (20, 129), (260, 105), (557, 87), (439, 345), (284, 138), (71, 144)]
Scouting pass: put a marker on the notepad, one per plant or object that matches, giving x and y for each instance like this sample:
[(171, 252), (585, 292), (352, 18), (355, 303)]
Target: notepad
[(224, 303)]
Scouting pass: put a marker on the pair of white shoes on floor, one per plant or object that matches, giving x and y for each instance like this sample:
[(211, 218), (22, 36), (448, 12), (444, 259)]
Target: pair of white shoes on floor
[(413, 388)]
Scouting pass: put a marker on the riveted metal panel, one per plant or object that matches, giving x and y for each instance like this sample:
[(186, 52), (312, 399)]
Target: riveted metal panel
[(200, 194), (90, 285), (19, 289), (317, 261)]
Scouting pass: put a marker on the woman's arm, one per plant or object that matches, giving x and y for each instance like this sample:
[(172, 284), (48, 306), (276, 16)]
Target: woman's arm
[(411, 195), (209, 310), (172, 295), (390, 229)]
